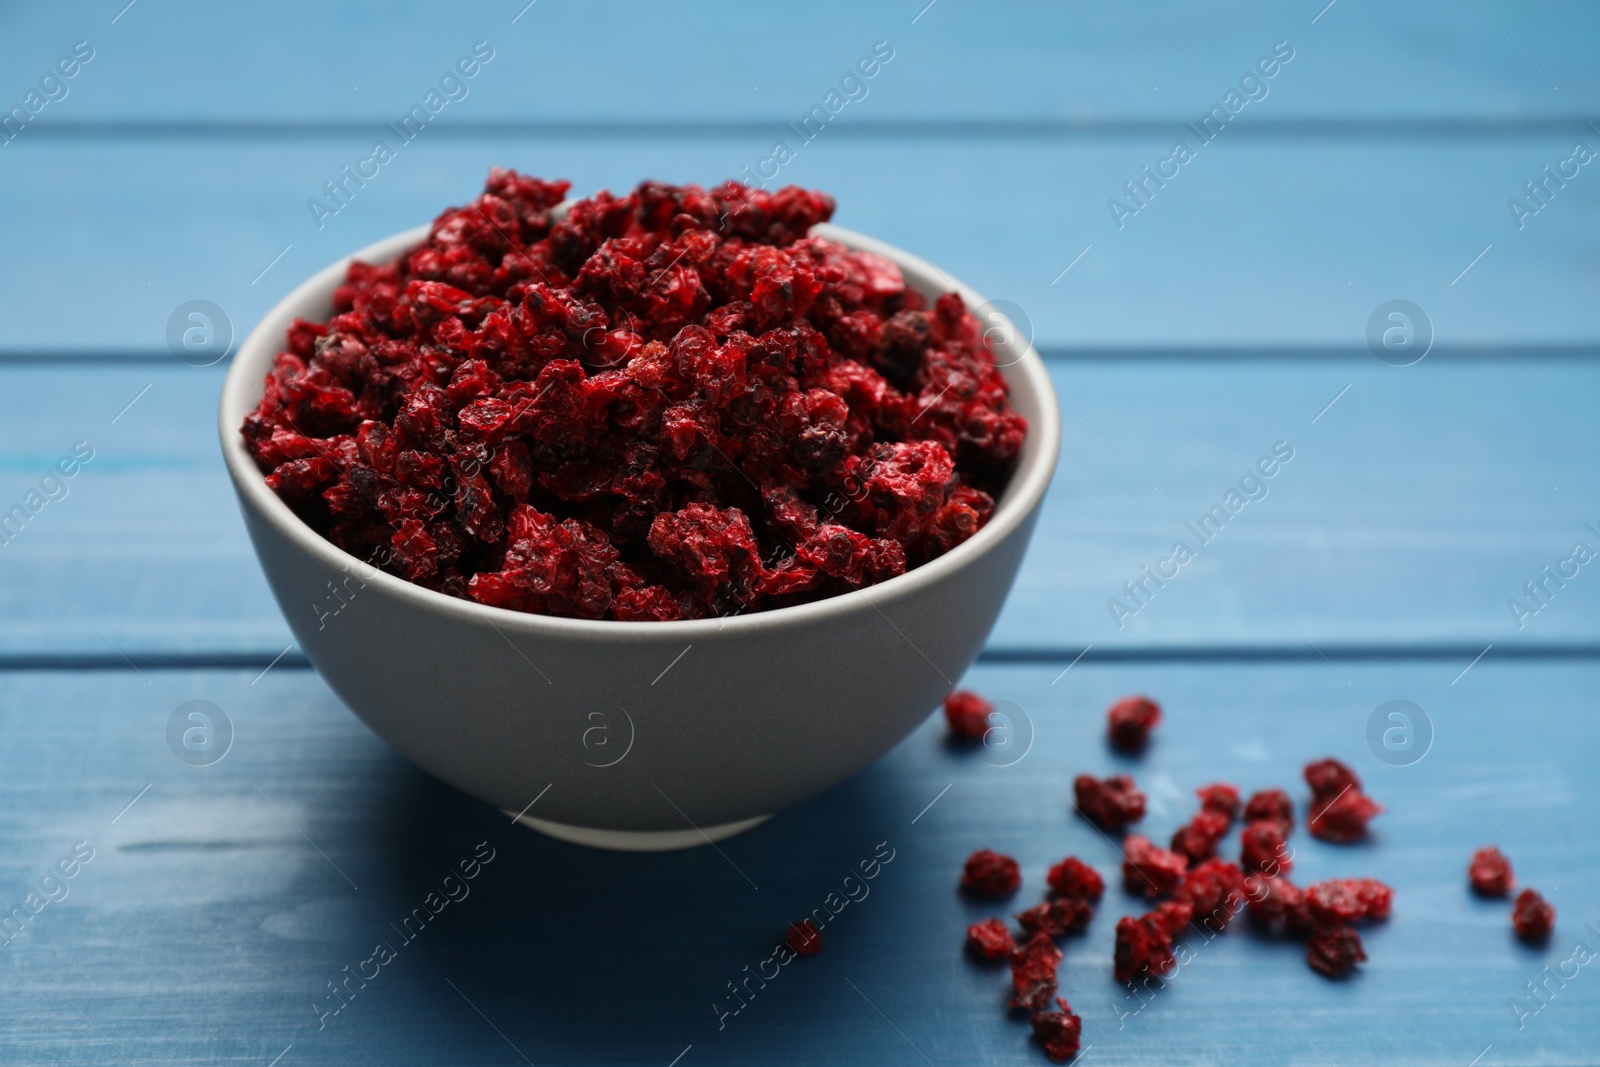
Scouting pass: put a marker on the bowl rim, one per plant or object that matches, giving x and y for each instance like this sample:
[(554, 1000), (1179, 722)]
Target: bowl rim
[(244, 383)]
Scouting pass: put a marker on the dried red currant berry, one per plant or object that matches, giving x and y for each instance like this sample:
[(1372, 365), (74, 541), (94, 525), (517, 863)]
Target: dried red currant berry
[(1334, 950), (1058, 917), (1278, 902), (1143, 948), (1149, 870), (1273, 804), (1533, 918), (1111, 803), (990, 939), (1348, 900), (1343, 818), (1198, 840), (1328, 778), (1174, 916), (804, 937), (1129, 722), (1058, 1031), (967, 714), (1215, 889), (1221, 798), (1263, 846), (1074, 878), (989, 874), (1490, 872), (1033, 973)]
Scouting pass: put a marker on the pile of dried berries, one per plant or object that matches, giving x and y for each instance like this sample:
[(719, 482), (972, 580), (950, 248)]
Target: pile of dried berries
[(667, 405), (1532, 917), (1189, 885)]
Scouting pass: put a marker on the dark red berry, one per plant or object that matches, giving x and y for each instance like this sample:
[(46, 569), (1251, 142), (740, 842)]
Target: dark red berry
[(1129, 722), (1263, 847), (1111, 803), (1143, 948), (1490, 872), (1334, 950), (1198, 839), (1348, 900), (1149, 870), (1278, 902), (1033, 973), (1074, 878), (989, 874), (968, 714), (1328, 778), (1058, 1031), (1058, 917), (1215, 890), (1273, 805), (1533, 918), (1343, 817), (1221, 798), (804, 937), (990, 939)]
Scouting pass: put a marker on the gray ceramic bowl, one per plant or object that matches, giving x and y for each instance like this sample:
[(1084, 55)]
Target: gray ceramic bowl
[(637, 735)]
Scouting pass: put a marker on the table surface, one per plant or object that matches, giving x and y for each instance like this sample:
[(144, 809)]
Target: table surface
[(1230, 313)]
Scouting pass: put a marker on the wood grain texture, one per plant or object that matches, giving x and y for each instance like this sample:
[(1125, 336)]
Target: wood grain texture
[(206, 925), (1405, 519), (1276, 244)]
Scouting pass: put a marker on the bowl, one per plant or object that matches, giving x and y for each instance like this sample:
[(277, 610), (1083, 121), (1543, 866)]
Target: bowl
[(638, 735)]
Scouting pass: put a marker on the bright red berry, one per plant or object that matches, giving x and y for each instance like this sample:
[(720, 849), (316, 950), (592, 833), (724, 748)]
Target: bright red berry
[(1057, 917), (1110, 803), (968, 714), (1334, 950), (1270, 804), (1263, 846), (990, 939), (1074, 878), (1215, 890), (1058, 1031), (1198, 839), (1343, 817), (1490, 872), (1148, 870), (1033, 973), (1143, 947), (1220, 797), (1328, 778)]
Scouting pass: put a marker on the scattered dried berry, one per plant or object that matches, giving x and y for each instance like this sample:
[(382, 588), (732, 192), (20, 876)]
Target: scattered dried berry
[(1533, 918), (1174, 916), (1273, 805), (1074, 878), (1348, 900), (967, 714), (1490, 872), (990, 939), (989, 874), (1215, 890), (1278, 902), (1328, 778), (1143, 948), (1263, 846), (1058, 917), (1334, 951), (804, 937), (1149, 870), (1129, 722), (670, 404), (1221, 798), (1343, 818), (1058, 1031), (1111, 803), (1198, 839), (1033, 973)]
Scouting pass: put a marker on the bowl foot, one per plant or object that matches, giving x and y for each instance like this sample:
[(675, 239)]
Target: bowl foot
[(639, 840)]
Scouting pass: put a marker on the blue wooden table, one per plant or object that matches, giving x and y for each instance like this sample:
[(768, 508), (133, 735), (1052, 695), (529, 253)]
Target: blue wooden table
[(1191, 324)]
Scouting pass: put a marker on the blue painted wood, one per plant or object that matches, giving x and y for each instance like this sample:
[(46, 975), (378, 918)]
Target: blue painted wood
[(1270, 244), (1404, 519), (206, 926), (1103, 62)]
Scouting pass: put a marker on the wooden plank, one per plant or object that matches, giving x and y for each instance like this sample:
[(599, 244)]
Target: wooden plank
[(1404, 520), (207, 924), (1288, 244), (1434, 61)]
